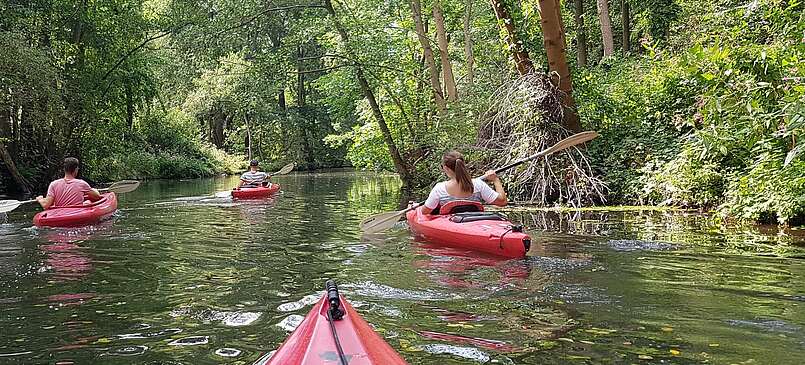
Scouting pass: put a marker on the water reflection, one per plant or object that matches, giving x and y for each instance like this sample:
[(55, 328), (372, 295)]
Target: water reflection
[(182, 276)]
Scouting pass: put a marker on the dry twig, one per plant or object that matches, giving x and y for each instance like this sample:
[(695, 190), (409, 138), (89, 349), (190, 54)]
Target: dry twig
[(526, 117)]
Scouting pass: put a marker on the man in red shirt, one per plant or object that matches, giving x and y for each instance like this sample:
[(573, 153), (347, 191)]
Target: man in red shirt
[(69, 190)]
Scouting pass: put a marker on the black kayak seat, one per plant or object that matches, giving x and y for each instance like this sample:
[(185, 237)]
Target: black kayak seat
[(476, 216)]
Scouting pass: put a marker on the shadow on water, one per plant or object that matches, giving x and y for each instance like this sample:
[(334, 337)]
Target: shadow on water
[(181, 276)]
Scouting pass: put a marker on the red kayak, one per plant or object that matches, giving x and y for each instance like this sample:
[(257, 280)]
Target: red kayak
[(478, 231), (78, 215), (334, 333), (255, 193)]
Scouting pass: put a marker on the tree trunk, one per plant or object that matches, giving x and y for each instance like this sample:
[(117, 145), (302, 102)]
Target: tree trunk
[(420, 85), (281, 100), (7, 160), (444, 55), (521, 59), (468, 43), (129, 106), (555, 47), (396, 157), (217, 122), (248, 135), (300, 78), (627, 29), (438, 96), (581, 33), (606, 27)]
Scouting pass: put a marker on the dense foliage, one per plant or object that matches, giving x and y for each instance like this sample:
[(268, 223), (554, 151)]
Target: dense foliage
[(701, 105), (716, 124)]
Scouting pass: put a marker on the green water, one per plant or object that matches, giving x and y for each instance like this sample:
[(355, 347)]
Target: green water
[(181, 277)]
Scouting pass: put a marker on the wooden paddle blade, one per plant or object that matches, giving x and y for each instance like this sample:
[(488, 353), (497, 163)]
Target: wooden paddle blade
[(125, 186), (223, 194), (285, 169), (571, 141), (381, 222), (9, 205), (366, 222)]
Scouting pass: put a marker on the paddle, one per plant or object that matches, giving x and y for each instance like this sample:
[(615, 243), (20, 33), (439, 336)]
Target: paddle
[(284, 170), (125, 186), (383, 221)]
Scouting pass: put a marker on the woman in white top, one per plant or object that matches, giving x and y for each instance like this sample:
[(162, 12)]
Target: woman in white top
[(462, 187)]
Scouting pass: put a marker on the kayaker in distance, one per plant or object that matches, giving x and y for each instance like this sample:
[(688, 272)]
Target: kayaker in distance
[(463, 187), (254, 177), (68, 190)]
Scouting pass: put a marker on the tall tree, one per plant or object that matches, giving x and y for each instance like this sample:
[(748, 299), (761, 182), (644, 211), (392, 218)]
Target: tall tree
[(468, 43), (396, 157), (522, 60), (581, 33), (8, 161), (555, 47), (444, 55), (427, 52), (606, 27), (627, 29)]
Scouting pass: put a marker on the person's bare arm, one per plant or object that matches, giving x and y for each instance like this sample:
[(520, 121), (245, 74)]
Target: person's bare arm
[(93, 195), (426, 210), (45, 202), (502, 199)]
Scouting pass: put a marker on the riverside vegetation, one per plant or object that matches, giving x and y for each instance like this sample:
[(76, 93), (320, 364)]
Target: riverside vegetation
[(700, 104)]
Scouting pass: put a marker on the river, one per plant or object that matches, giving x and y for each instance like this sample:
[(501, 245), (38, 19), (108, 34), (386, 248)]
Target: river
[(179, 276)]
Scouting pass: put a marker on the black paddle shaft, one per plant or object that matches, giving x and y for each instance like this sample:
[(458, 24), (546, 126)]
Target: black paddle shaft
[(518, 163)]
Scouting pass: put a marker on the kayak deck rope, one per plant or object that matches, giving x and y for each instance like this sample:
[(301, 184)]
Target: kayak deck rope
[(511, 228), (334, 313)]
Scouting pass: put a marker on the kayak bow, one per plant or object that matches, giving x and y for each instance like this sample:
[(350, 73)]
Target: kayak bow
[(334, 333)]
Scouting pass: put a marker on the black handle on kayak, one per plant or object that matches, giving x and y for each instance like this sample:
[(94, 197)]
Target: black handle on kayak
[(334, 299)]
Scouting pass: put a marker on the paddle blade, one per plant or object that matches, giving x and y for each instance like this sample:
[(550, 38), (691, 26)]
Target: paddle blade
[(9, 205), (285, 169), (223, 194), (381, 222), (571, 141), (125, 186)]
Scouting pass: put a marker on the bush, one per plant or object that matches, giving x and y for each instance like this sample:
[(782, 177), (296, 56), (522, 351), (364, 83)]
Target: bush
[(161, 146), (768, 191), (735, 95)]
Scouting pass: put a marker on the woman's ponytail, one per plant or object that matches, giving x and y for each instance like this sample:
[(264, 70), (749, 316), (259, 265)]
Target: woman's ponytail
[(454, 160)]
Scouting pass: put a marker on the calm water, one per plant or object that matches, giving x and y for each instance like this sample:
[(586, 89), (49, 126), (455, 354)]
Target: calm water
[(181, 277)]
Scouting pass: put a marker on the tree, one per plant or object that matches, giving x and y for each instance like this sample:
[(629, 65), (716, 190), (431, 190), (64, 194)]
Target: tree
[(468, 42), (606, 27), (399, 163), (447, 68), (627, 30), (555, 47), (522, 60), (427, 53), (581, 33)]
